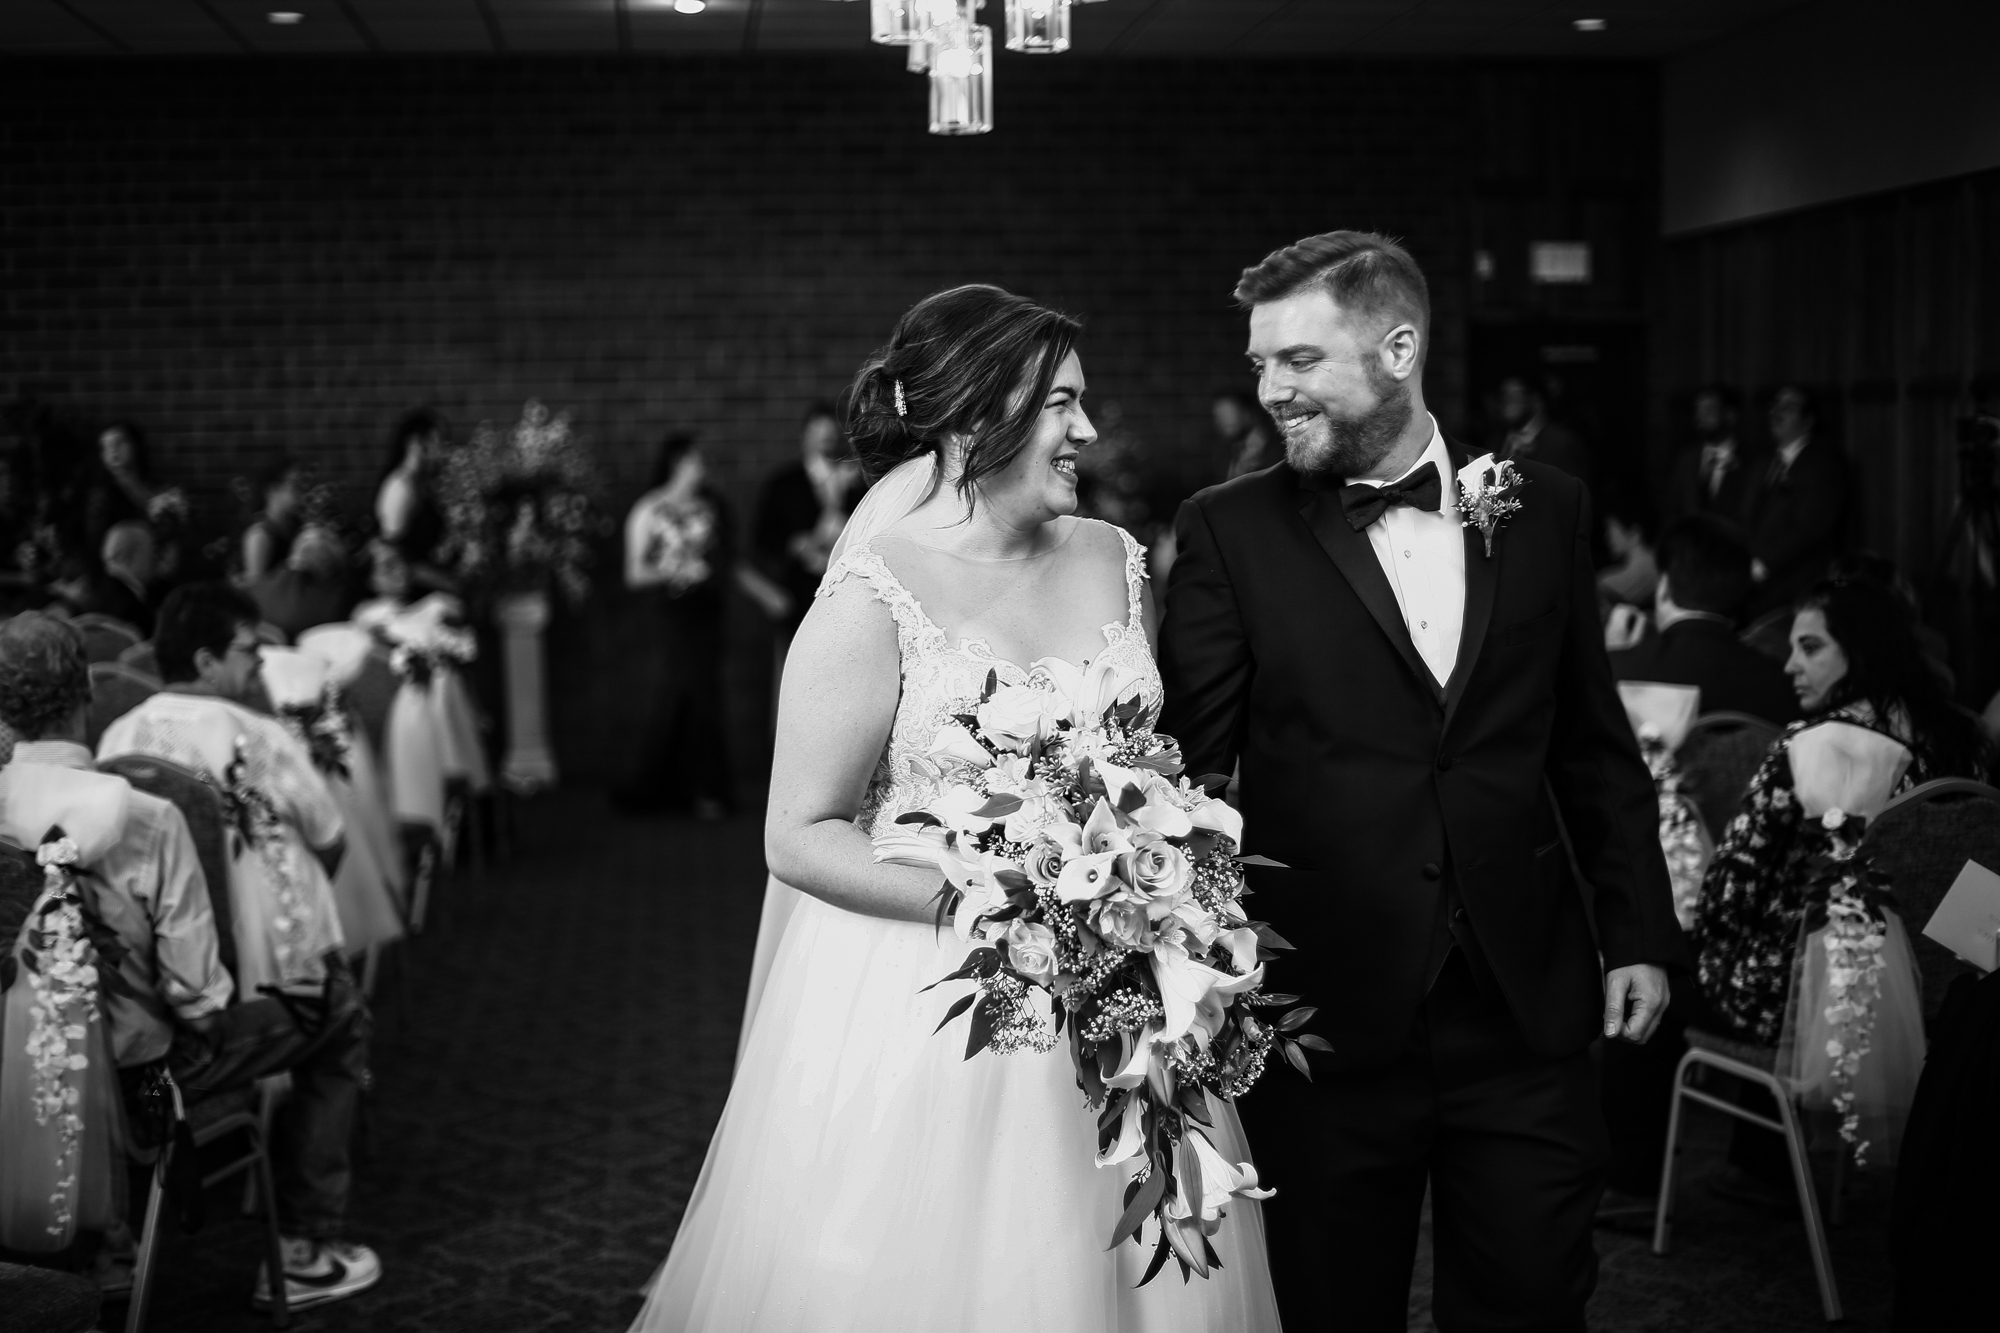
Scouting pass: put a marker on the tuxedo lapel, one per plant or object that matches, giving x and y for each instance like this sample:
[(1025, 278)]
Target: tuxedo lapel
[(1355, 559), (1482, 577)]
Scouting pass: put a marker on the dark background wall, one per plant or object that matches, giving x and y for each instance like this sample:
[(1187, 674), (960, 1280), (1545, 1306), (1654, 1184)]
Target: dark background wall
[(254, 257)]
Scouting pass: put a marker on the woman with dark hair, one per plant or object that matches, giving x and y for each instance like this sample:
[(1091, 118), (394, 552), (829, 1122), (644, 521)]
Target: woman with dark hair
[(1855, 659), (121, 488), (864, 1175), (407, 513), (677, 554), (267, 543)]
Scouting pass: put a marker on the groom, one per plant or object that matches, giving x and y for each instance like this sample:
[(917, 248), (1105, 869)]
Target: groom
[(1419, 718)]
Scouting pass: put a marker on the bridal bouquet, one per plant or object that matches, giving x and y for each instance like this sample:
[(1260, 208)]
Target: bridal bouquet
[(1078, 862)]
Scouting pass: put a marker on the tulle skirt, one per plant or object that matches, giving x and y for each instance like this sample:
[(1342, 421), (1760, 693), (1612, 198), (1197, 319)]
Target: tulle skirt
[(51, 1189), (368, 886), (866, 1176)]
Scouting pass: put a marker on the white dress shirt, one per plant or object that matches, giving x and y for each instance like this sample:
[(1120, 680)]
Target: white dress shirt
[(1424, 556)]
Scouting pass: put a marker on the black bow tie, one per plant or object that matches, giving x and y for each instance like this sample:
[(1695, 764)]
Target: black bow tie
[(1422, 489)]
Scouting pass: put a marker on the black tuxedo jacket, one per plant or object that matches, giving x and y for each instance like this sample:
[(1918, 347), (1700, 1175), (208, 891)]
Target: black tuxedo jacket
[(1402, 809), (1733, 676), (1793, 517), (1686, 494)]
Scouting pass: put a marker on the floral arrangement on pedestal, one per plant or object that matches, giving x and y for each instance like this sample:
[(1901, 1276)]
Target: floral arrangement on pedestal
[(519, 507), (1082, 867)]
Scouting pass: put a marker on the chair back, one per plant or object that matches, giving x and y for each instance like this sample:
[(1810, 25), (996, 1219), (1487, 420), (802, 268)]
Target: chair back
[(1921, 841), (141, 657), (105, 637), (370, 695), (201, 806), (1717, 761), (20, 884), (115, 690)]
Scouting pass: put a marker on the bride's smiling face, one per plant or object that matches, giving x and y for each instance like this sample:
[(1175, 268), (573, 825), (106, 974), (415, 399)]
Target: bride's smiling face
[(1040, 484)]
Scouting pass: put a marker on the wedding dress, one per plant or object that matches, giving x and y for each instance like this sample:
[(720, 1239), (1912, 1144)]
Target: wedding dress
[(864, 1174)]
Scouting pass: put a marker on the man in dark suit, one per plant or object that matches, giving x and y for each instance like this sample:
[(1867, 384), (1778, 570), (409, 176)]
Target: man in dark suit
[(122, 589), (1712, 477), (1412, 701), (1524, 409), (1795, 505), (1704, 581)]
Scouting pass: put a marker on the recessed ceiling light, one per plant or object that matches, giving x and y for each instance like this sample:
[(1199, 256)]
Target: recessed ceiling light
[(284, 18), (690, 6), (1589, 25)]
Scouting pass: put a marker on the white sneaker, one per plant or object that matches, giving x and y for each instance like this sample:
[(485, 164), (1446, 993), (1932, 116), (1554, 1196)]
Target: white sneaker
[(319, 1273)]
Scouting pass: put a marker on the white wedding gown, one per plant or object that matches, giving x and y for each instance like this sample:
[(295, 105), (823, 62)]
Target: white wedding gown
[(865, 1175)]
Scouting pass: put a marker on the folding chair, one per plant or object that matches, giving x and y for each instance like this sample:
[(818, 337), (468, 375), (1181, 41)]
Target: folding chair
[(105, 637), (200, 805), (115, 690), (1921, 841), (1717, 760)]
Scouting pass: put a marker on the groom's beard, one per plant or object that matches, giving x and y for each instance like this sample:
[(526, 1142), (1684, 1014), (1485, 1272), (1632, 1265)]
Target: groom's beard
[(1335, 449)]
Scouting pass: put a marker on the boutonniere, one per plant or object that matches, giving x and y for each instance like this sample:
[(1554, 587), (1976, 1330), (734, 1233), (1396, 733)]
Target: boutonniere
[(1488, 494)]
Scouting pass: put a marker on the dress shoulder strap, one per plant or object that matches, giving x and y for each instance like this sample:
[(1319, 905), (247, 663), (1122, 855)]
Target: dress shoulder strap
[(860, 561), (1135, 576)]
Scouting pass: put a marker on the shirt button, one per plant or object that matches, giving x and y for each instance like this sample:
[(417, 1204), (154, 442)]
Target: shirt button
[(1423, 624), (1432, 870)]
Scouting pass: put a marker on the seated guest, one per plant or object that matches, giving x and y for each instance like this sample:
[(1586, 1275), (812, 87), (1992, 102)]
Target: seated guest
[(1635, 570), (1704, 581), (268, 540), (1529, 433), (310, 589), (1711, 477), (1795, 504), (174, 1006), (1854, 659), (287, 925), (125, 592)]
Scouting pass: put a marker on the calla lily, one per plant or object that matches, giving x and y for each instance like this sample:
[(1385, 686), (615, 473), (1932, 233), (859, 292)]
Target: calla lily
[(1242, 943), (1103, 833), (1215, 816), (1086, 877), (958, 807), (1138, 1057), (1220, 1182), (1131, 1135), (1193, 993), (953, 744)]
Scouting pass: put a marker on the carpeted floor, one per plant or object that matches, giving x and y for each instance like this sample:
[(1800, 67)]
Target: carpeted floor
[(548, 1078)]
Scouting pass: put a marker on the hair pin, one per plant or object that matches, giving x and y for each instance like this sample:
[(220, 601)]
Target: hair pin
[(902, 408)]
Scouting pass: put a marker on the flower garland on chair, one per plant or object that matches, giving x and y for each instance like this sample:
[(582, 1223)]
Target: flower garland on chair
[(254, 818), (1681, 842), (1856, 932), (324, 729)]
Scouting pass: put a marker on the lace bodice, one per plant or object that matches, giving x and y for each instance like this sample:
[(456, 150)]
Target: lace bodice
[(939, 678)]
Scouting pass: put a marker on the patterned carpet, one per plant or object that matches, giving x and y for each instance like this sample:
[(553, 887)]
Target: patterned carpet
[(549, 1076)]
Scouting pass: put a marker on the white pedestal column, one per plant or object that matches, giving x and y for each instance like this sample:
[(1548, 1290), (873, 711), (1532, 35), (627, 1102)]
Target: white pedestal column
[(530, 764)]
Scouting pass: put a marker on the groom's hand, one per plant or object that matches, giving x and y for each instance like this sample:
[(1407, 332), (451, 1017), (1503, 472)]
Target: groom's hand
[(1634, 999)]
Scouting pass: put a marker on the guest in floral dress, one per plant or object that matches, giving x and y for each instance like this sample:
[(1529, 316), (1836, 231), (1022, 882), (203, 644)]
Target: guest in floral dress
[(677, 557), (1855, 658)]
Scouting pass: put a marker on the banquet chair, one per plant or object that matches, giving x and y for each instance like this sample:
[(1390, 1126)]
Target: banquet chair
[(115, 690), (1717, 760), (141, 657), (105, 637), (1758, 1066), (201, 806), (1921, 841)]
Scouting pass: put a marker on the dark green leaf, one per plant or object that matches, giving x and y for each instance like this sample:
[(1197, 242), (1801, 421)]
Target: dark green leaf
[(1209, 1250), (959, 1006), (1212, 781), (982, 1027), (1276, 997), (1014, 882), (1271, 937), (998, 807), (918, 817), (1264, 861), (1296, 1056), (1312, 1043), (1297, 1018), (992, 685), (1159, 1259), (1151, 1191)]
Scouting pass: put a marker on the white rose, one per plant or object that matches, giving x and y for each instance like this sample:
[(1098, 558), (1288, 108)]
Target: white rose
[(1012, 718), (1159, 870), (1032, 951), (955, 746), (1124, 923)]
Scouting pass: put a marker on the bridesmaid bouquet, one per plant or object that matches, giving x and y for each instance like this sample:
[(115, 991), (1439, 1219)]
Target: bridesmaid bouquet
[(1078, 861)]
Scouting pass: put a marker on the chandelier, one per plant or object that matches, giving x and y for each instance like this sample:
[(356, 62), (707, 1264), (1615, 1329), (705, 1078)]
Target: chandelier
[(947, 42)]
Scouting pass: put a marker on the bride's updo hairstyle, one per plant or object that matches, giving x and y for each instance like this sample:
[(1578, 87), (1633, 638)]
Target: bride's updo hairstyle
[(973, 361)]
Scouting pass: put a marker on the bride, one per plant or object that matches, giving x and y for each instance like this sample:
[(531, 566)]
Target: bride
[(865, 1175)]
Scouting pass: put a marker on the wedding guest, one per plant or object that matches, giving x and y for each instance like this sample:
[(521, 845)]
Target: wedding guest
[(799, 516), (1794, 505), (1704, 582), (121, 487), (1711, 477), (267, 542), (1529, 433), (1249, 437), (175, 1009), (1854, 659), (123, 589), (677, 559), (1635, 570), (407, 512), (311, 588)]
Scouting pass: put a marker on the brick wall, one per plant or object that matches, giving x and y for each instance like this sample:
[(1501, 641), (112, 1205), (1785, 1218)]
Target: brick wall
[(249, 256)]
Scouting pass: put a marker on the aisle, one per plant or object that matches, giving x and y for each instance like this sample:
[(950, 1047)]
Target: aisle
[(540, 1117)]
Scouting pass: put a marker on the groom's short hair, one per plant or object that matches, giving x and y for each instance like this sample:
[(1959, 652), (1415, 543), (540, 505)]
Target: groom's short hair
[(1363, 271)]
